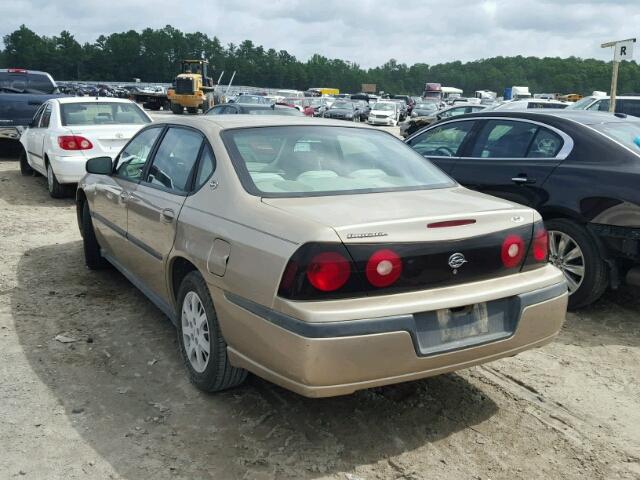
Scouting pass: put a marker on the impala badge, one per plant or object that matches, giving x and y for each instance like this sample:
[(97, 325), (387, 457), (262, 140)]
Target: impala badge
[(456, 261)]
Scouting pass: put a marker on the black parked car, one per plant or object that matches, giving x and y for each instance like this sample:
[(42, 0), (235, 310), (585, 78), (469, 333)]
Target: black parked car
[(344, 110), (580, 170)]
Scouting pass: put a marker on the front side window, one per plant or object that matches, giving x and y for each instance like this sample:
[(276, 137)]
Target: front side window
[(132, 159), (442, 141), (101, 113), (315, 160), (504, 139), (174, 160)]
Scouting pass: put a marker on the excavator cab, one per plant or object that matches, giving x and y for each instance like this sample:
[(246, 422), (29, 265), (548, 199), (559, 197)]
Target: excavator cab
[(197, 67)]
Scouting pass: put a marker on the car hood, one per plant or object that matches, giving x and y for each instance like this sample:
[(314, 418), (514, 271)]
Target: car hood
[(403, 216)]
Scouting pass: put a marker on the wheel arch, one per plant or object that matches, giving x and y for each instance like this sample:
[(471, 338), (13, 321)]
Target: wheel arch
[(179, 267)]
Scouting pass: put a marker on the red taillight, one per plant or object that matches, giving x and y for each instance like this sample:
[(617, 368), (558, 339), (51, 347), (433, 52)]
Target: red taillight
[(16, 70), (540, 245), (512, 251), (383, 268), (328, 271), (74, 142)]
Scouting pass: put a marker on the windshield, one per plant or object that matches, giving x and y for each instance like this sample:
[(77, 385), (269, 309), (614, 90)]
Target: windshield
[(389, 107), (344, 105), (582, 104), (103, 113), (276, 111), (34, 82), (626, 133), (252, 99), (296, 161), (434, 95), (426, 106)]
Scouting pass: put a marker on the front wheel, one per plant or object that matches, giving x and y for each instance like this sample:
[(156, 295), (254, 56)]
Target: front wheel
[(203, 348), (575, 252), (177, 109)]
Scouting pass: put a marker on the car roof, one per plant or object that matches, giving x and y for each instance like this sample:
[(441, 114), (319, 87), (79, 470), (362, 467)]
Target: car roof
[(226, 122), (91, 99), (585, 117)]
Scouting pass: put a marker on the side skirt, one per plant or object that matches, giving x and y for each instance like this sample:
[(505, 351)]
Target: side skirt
[(140, 285)]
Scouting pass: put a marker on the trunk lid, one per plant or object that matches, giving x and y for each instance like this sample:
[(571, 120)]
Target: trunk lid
[(404, 216), (106, 139)]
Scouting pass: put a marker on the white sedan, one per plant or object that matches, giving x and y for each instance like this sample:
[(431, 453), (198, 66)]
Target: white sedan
[(384, 113), (65, 132)]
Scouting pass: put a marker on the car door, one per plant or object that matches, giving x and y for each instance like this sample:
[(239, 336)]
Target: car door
[(31, 140), (442, 143), (156, 202), (109, 202), (512, 159)]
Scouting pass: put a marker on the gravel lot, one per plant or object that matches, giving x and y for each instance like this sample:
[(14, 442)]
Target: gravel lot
[(116, 402)]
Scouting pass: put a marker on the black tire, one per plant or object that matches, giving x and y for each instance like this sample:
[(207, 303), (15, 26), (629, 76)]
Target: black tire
[(192, 110), (596, 272), (177, 109), (56, 189), (92, 256), (25, 168), (218, 374)]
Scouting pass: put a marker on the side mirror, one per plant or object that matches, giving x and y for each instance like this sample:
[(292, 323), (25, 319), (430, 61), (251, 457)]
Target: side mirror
[(99, 165)]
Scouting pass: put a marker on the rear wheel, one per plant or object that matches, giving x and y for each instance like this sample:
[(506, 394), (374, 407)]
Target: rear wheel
[(203, 348), (25, 168), (92, 256), (56, 189), (192, 110), (177, 109), (574, 251)]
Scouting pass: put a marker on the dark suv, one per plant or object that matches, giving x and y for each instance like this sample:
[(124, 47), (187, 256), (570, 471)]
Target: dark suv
[(579, 169)]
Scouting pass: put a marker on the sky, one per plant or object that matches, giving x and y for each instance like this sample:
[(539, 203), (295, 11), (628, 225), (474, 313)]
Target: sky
[(367, 32)]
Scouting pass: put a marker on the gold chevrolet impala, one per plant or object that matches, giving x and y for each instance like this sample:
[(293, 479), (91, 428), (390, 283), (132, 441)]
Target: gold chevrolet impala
[(325, 257)]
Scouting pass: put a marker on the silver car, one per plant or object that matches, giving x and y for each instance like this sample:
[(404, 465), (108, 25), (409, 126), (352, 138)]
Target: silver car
[(325, 257)]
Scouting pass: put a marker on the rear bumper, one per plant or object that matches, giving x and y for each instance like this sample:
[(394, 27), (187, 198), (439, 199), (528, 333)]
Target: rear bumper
[(11, 133), (68, 169), (320, 359)]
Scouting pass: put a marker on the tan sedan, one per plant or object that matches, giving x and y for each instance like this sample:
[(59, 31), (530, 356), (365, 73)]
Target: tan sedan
[(325, 257)]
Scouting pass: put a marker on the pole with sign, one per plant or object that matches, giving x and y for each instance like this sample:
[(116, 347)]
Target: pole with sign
[(622, 50)]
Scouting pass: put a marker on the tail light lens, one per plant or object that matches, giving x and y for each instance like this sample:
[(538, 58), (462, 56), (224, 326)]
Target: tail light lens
[(74, 142), (513, 251), (540, 245), (383, 268), (328, 271)]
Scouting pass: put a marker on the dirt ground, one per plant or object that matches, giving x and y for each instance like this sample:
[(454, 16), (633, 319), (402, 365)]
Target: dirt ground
[(116, 403)]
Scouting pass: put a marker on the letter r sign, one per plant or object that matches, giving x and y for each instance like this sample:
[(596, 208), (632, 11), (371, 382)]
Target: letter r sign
[(624, 50)]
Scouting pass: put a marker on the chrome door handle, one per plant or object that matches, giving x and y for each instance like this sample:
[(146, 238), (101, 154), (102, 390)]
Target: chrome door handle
[(167, 215), (523, 180)]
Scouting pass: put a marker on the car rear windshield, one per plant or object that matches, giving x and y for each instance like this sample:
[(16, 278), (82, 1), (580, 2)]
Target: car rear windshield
[(300, 161), (28, 82), (102, 113), (626, 133)]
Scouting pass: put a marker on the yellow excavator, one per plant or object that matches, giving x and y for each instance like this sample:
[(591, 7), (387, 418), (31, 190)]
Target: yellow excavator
[(192, 88)]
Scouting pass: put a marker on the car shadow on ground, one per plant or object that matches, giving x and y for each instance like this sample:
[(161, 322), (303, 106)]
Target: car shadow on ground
[(125, 390), (613, 320), (32, 189)]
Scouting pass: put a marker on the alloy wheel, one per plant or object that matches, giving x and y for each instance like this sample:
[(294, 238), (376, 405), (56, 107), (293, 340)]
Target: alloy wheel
[(565, 254), (195, 332)]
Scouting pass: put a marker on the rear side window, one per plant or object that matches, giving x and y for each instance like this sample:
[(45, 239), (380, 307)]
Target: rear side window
[(504, 139), (628, 106), (206, 166), (546, 144), (46, 116), (174, 160), (443, 141)]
